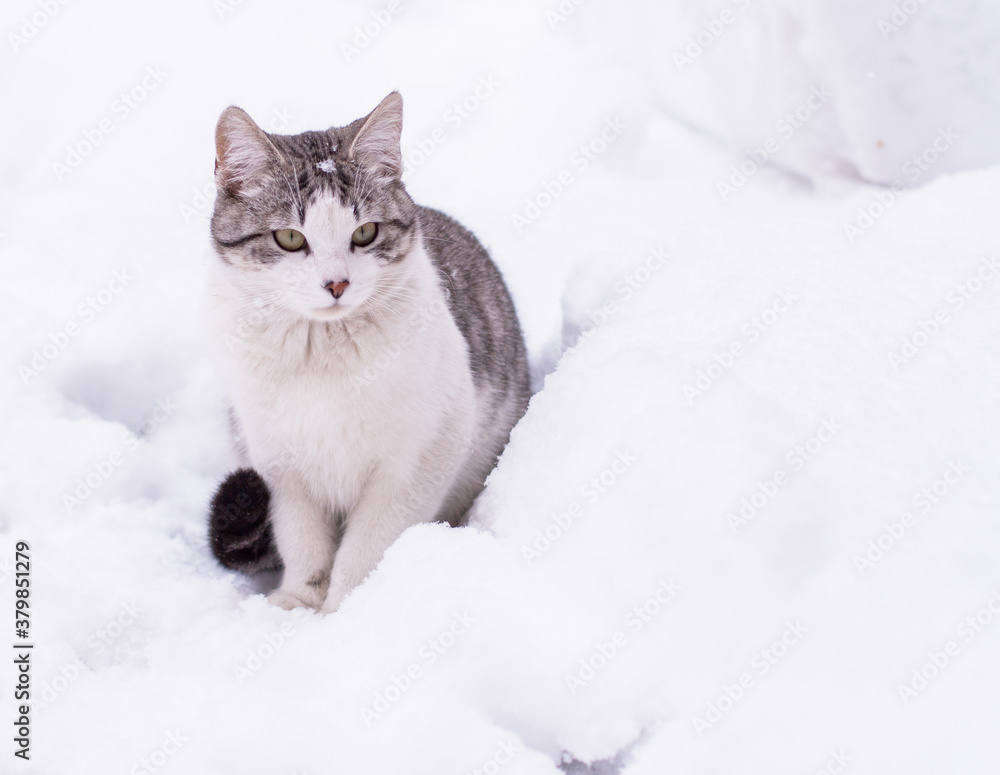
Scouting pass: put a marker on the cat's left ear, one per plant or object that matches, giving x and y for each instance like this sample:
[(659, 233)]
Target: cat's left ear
[(376, 145)]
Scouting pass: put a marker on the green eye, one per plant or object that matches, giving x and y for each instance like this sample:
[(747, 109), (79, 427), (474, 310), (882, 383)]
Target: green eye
[(290, 239), (365, 234)]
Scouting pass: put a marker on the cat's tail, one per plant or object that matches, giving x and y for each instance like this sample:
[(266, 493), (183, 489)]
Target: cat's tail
[(239, 528)]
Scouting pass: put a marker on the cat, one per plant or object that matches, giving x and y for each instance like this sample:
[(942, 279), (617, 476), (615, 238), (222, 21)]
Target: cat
[(369, 347)]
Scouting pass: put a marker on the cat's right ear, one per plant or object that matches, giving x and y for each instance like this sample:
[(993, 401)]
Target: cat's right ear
[(243, 152)]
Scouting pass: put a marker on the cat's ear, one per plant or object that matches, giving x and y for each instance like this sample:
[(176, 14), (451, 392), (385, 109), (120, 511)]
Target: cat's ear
[(376, 145), (243, 153)]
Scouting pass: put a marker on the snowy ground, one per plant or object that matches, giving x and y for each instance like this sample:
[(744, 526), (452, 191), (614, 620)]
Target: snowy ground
[(749, 522)]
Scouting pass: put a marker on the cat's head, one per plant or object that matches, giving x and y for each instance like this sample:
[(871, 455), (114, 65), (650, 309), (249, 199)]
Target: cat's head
[(317, 223)]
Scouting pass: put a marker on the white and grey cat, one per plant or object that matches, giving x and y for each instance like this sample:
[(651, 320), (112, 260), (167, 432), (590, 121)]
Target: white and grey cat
[(369, 347)]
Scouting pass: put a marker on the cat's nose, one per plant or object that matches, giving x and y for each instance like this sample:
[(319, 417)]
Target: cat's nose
[(337, 288)]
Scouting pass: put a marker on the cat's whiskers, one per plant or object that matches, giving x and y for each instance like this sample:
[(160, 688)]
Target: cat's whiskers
[(380, 304), (399, 295)]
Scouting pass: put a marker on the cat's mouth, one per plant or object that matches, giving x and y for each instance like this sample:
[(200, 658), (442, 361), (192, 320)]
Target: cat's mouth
[(330, 312), (338, 308)]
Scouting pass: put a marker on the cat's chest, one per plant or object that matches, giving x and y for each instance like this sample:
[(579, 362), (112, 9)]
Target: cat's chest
[(319, 400), (309, 382)]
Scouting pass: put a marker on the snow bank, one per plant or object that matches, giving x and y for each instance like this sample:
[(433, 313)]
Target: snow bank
[(855, 89)]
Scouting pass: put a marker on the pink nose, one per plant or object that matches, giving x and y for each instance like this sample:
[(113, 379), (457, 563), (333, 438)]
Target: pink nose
[(338, 288)]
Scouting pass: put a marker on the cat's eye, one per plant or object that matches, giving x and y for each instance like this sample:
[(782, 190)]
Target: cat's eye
[(365, 234), (290, 239)]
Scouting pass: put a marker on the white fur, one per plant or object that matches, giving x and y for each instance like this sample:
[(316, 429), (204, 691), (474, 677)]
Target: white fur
[(360, 408)]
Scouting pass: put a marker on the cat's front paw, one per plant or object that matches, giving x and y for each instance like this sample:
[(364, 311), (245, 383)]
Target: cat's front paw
[(333, 601), (288, 601)]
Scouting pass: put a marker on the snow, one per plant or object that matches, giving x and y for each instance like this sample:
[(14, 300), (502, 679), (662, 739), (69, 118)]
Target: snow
[(755, 489), (901, 73)]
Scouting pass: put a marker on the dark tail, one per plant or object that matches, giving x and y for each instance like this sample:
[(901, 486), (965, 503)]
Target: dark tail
[(239, 528)]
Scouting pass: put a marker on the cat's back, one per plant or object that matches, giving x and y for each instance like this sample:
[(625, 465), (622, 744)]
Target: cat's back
[(480, 304)]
